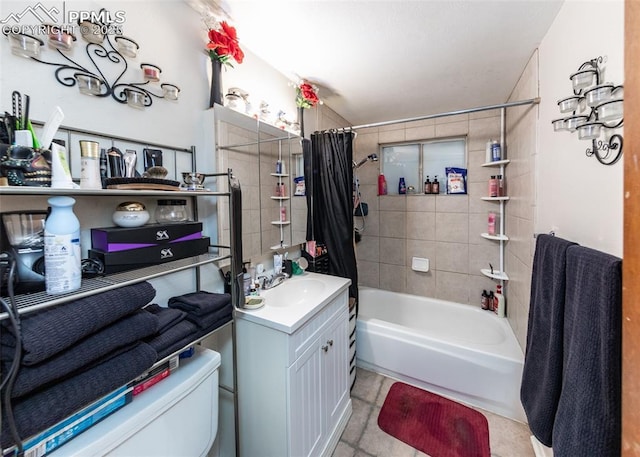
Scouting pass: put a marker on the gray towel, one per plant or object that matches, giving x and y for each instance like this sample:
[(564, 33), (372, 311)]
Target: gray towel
[(171, 336), (588, 421), (122, 333), (209, 320), (542, 373), (48, 332), (167, 317), (35, 413), (200, 303)]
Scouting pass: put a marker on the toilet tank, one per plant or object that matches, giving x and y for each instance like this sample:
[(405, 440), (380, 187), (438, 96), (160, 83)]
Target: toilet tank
[(176, 417)]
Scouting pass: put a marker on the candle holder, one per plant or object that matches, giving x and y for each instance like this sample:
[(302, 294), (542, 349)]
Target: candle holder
[(105, 48), (596, 109)]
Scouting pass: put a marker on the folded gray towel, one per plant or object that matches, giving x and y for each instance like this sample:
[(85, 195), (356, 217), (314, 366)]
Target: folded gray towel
[(170, 336), (200, 303), (210, 319), (35, 413), (167, 317), (122, 333), (52, 330)]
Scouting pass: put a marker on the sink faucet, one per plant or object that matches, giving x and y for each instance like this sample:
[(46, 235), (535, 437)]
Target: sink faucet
[(269, 282)]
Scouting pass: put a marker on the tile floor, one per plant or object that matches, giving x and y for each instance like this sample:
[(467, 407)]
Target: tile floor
[(362, 436)]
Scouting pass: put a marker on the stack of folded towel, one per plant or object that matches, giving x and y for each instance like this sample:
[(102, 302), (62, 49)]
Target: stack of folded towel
[(76, 353), (188, 318)]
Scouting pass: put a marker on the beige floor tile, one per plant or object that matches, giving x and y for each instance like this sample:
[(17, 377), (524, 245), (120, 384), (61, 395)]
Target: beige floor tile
[(367, 385), (344, 450), (357, 422)]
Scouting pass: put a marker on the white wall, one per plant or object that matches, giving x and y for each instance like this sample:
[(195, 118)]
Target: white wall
[(577, 196)]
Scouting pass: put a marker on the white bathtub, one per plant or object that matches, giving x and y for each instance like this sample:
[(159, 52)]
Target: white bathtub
[(457, 351)]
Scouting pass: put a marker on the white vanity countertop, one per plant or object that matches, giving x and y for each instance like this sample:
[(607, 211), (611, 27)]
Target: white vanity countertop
[(292, 303)]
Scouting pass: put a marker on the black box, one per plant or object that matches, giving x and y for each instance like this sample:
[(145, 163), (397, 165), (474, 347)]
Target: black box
[(144, 257), (114, 239)]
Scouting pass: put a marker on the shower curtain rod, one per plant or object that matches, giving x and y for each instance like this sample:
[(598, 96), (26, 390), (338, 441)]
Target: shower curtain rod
[(532, 101)]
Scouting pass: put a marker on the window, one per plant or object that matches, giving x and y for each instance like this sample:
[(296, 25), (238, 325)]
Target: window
[(415, 161)]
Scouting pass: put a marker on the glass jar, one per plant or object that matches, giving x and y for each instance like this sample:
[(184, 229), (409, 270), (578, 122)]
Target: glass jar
[(171, 211)]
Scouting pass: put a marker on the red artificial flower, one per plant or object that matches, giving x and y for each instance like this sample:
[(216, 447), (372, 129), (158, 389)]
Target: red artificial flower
[(223, 44), (307, 96)]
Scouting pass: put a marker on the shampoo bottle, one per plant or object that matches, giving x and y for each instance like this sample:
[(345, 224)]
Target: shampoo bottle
[(435, 186), (427, 186), (402, 187), (62, 255), (499, 302), (382, 185)]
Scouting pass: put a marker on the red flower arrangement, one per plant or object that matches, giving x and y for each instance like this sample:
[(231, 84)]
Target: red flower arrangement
[(223, 45), (307, 95)]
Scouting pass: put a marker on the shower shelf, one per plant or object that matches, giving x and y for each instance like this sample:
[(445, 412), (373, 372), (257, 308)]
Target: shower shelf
[(495, 237), (502, 276), (495, 199), (280, 175), (497, 163), (273, 197), (281, 222)]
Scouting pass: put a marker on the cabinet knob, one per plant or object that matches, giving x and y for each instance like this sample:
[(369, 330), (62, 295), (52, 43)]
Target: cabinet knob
[(325, 348), (330, 342)]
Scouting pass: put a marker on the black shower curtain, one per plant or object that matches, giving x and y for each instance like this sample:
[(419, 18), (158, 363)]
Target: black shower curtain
[(328, 161)]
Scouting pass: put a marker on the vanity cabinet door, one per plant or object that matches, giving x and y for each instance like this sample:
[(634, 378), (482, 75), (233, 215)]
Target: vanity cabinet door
[(319, 388), (307, 414), (336, 368)]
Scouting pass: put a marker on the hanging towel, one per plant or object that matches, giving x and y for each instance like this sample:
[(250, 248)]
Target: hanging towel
[(37, 412), (167, 317), (588, 421), (542, 373), (52, 330), (200, 303), (123, 333)]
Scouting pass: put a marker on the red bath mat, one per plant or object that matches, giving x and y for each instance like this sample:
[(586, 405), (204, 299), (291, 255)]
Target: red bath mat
[(433, 424)]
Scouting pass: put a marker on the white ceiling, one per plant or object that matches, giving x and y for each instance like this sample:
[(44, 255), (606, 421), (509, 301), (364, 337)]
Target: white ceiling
[(384, 60)]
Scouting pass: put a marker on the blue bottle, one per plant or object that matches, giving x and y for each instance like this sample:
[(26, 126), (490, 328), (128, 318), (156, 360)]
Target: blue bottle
[(62, 255), (402, 187)]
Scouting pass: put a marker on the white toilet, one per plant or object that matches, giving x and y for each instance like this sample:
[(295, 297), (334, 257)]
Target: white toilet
[(176, 417)]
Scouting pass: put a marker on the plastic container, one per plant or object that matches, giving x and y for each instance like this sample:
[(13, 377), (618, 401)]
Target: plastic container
[(171, 211), (499, 303), (90, 165), (402, 186), (493, 186), (492, 223), (382, 185), (130, 214), (62, 254), (496, 153)]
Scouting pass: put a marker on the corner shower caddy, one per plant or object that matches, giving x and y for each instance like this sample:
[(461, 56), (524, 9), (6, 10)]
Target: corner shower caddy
[(27, 303)]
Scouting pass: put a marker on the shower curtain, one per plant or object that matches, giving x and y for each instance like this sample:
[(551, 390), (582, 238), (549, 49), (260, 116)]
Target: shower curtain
[(328, 161)]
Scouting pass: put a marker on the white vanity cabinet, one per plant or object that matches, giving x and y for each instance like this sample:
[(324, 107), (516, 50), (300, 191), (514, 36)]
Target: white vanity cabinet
[(293, 388)]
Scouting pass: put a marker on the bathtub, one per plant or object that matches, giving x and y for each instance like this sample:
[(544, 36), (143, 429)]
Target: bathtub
[(458, 351)]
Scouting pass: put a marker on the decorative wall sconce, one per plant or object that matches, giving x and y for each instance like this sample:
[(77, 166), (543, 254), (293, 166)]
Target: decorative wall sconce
[(601, 104), (103, 55)]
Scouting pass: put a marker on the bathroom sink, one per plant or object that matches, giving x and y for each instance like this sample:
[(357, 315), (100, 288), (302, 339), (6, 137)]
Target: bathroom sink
[(294, 292)]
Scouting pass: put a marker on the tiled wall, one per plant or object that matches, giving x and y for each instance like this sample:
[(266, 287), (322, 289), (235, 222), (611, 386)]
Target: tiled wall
[(444, 228), (522, 145)]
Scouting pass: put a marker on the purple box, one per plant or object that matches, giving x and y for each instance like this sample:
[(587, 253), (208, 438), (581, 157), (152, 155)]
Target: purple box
[(115, 262), (114, 239)]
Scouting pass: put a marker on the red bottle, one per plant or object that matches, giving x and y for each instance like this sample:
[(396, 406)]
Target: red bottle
[(382, 185)]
